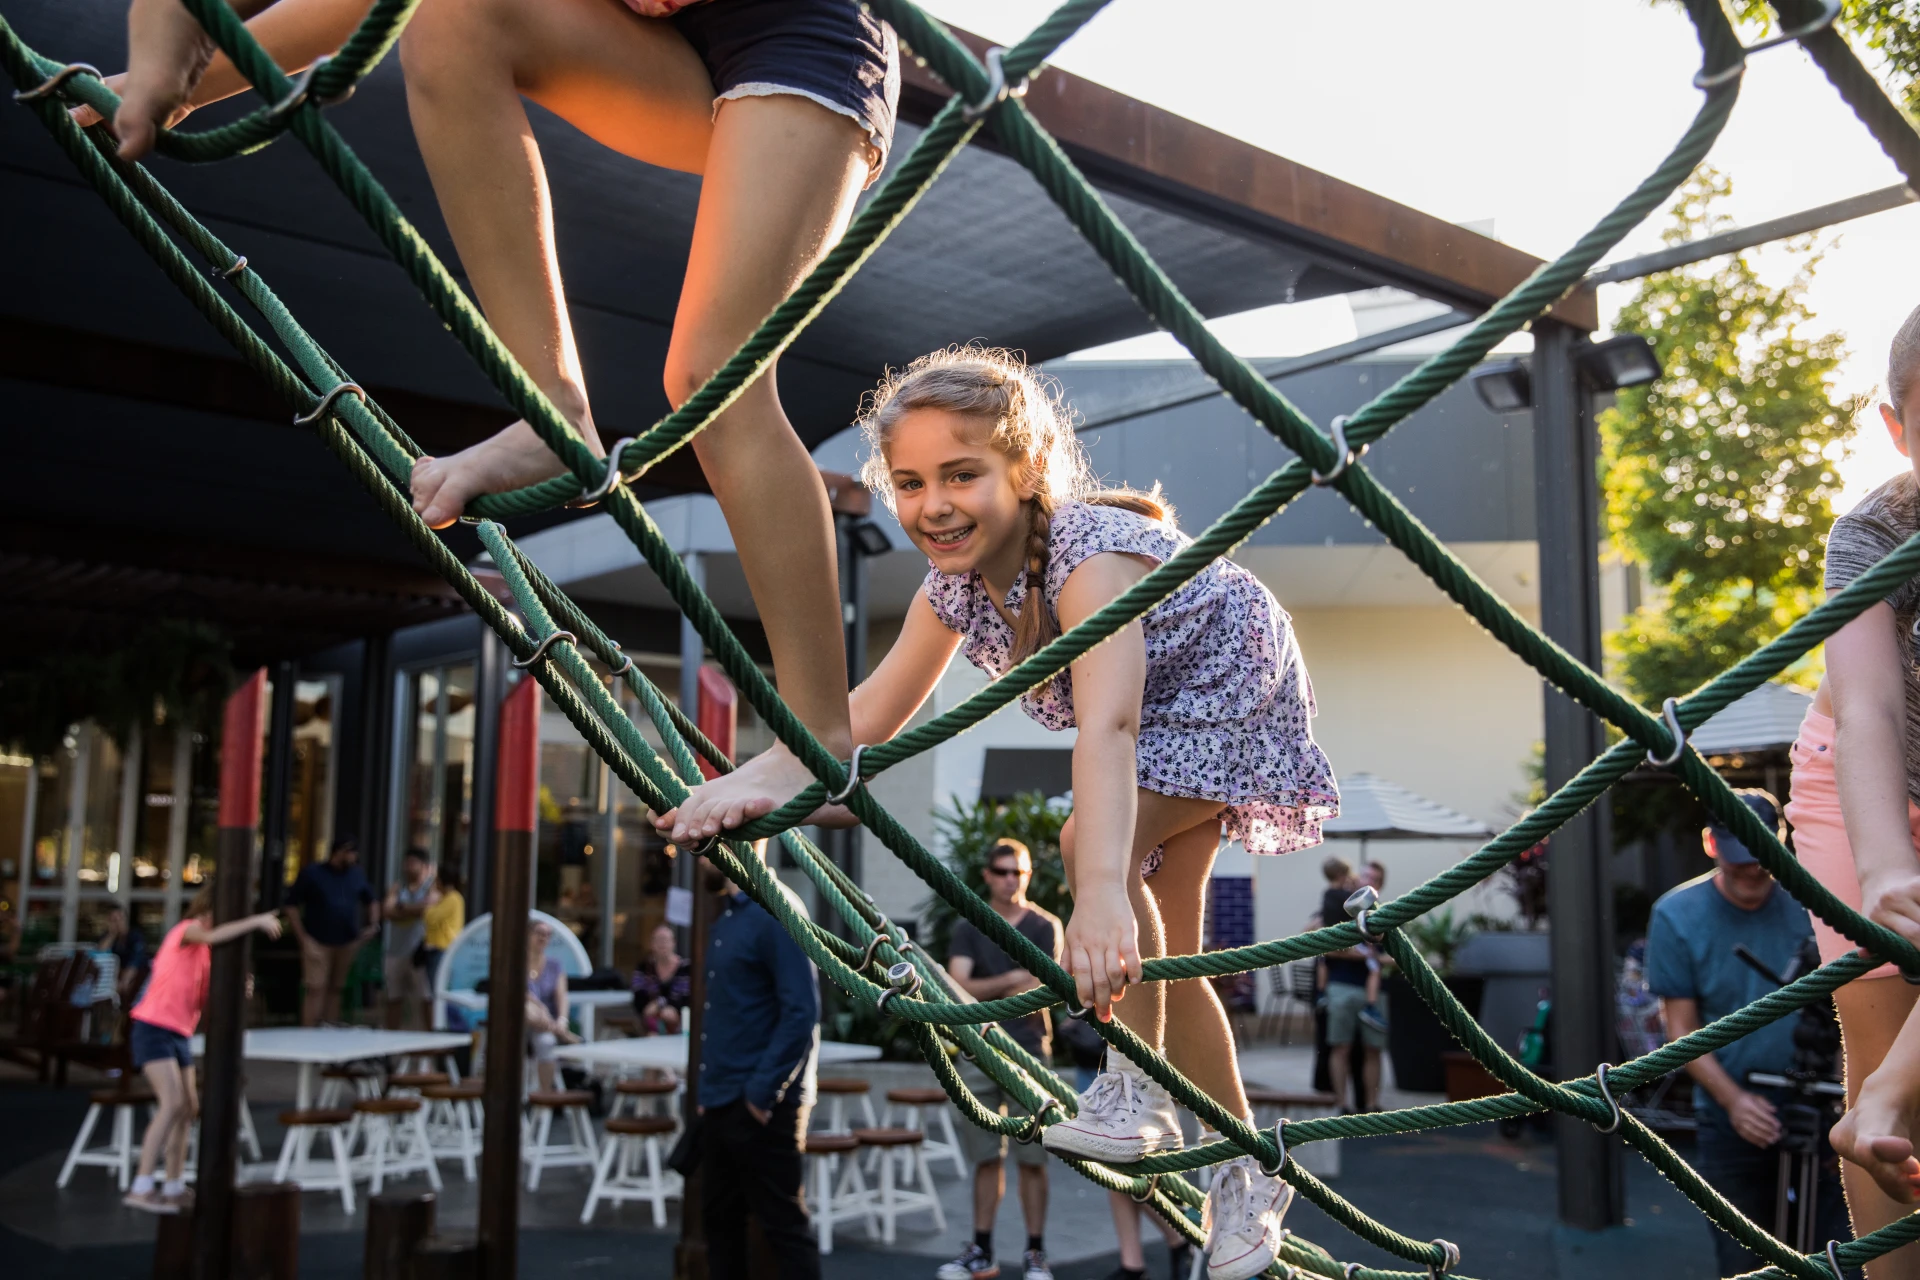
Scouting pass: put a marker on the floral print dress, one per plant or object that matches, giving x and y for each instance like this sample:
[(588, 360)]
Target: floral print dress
[(1227, 709)]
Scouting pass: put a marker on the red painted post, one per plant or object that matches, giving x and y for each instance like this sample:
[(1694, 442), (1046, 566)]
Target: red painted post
[(225, 1016), (515, 809), (717, 713)]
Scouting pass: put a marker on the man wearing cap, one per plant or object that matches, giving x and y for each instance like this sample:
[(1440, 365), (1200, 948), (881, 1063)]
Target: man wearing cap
[(1693, 967)]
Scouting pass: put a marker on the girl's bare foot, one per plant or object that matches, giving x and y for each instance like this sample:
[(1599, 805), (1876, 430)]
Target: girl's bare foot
[(508, 459), (1876, 1133), (755, 789)]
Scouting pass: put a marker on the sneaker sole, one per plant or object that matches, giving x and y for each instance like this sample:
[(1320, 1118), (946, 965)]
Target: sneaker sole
[(990, 1274), (150, 1206), (1247, 1265), (1068, 1142)]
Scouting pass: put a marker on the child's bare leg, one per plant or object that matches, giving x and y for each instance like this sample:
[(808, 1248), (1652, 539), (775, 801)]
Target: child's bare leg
[(1199, 1036), (169, 1099), (1373, 984), (1883, 1108), (630, 82), (1126, 1230), (183, 1127)]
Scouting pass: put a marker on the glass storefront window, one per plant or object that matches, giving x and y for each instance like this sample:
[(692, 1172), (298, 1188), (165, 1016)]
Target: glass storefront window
[(438, 711), (572, 836), (310, 799), (53, 777), (153, 822), (100, 830), (203, 815), (16, 775)]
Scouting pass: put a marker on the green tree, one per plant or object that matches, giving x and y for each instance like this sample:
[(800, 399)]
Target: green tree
[(1720, 476), (969, 832), (1887, 27)]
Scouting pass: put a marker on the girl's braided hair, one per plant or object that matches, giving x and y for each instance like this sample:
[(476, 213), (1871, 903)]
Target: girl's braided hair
[(1030, 425)]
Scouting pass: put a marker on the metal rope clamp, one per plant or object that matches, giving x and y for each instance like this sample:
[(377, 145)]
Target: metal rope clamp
[(1606, 1092), (591, 497), (1038, 1121), (866, 957), (1348, 453), (1670, 712), (1833, 1260), (626, 664), (55, 82), (333, 393), (902, 980), (1714, 79), (1450, 1258), (1358, 904), (239, 265), (1153, 1184), (854, 779), (541, 648), (302, 89), (998, 91), (1280, 1145)]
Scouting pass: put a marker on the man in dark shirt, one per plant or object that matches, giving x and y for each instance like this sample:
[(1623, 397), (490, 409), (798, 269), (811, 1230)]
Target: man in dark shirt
[(988, 973), (1343, 985), (758, 1040), (331, 897)]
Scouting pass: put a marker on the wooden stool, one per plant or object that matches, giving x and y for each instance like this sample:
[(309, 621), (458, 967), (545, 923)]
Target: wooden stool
[(1272, 1105), (579, 1149), (410, 1083), (118, 1154), (629, 1141), (833, 1203), (836, 1090), (296, 1164), (909, 1103), (651, 1095), (386, 1122), (338, 1085), (898, 1194), (453, 1121)]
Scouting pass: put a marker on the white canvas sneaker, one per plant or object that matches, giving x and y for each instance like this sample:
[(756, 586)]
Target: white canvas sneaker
[(1124, 1116), (1242, 1218)]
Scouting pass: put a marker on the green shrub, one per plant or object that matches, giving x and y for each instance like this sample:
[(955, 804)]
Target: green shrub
[(969, 831)]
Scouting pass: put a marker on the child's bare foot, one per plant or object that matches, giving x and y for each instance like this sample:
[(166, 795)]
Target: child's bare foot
[(1876, 1134), (508, 459), (755, 789)]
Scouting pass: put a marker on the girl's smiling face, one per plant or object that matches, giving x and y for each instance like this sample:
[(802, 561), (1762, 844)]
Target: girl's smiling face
[(959, 499)]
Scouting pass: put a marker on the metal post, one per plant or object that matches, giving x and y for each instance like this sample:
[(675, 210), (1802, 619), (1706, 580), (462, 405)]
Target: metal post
[(490, 692), (1567, 509), (279, 785), (690, 1254), (224, 1019), (397, 1223), (693, 653), (516, 804), (376, 725)]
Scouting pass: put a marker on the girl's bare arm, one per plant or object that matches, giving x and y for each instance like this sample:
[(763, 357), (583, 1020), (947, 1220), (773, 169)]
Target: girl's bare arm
[(200, 935), (1866, 678)]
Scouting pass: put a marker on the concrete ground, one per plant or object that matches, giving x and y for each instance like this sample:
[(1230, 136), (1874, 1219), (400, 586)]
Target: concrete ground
[(1492, 1196)]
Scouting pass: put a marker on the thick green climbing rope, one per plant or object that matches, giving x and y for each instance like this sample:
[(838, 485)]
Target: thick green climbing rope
[(875, 966)]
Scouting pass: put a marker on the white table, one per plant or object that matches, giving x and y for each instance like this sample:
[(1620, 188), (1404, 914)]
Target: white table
[(312, 1047), (585, 1002), (670, 1053)]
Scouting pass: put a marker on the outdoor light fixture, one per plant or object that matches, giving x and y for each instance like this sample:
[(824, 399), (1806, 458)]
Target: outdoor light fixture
[(870, 539), (1505, 386), (1625, 361)]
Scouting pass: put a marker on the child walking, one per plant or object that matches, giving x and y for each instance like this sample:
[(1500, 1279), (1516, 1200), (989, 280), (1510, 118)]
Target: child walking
[(1193, 723), (161, 1037)]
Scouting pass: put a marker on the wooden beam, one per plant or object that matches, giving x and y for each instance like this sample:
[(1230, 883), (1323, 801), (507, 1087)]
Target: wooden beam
[(1151, 154)]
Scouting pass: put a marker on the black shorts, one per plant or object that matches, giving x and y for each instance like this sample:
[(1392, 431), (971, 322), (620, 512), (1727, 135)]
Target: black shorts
[(157, 1044), (830, 51)]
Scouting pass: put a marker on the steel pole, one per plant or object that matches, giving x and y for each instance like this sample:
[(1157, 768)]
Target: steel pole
[(1567, 509), (516, 804), (225, 1016)]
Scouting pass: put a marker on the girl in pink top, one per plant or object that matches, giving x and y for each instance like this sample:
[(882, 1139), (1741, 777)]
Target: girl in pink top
[(161, 1037)]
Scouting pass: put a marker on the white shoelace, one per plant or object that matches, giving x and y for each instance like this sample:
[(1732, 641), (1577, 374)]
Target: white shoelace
[(1111, 1093), (1229, 1202)]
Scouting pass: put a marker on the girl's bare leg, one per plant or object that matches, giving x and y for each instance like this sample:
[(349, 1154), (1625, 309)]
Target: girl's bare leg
[(183, 1126), (1872, 1014), (1199, 1036), (630, 82), (169, 1110)]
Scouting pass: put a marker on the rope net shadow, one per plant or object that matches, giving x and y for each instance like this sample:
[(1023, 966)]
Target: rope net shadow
[(555, 638)]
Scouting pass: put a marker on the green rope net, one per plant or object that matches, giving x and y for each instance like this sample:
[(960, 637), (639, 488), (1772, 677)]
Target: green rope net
[(875, 967)]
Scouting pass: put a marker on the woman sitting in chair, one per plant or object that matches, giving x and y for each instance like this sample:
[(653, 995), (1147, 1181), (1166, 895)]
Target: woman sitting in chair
[(546, 1002)]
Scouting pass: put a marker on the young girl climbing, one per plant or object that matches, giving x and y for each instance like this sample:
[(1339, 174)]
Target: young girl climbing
[(785, 108), (1193, 720), (1856, 824), (161, 1036)]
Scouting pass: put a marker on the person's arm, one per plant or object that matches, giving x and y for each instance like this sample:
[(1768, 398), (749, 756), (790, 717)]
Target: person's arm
[(372, 905), (295, 908), (1753, 1116), (1109, 681), (199, 935), (960, 969), (1866, 678), (560, 1004), (797, 990)]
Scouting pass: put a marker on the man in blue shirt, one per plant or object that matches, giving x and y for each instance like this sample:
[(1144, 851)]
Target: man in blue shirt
[(758, 1041), (331, 896), (1693, 968)]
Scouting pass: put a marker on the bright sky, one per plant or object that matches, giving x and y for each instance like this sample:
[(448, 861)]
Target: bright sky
[(1536, 114)]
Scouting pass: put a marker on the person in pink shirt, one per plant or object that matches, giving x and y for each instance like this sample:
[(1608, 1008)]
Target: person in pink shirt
[(161, 1036)]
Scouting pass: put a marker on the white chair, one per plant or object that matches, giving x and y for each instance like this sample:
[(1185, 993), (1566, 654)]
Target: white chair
[(904, 1108), (466, 961), (453, 1122), (249, 1139), (119, 1152), (836, 1091), (340, 1086), (296, 1162), (539, 1151), (631, 1142), (906, 1185), (838, 1200), (395, 1130), (651, 1095)]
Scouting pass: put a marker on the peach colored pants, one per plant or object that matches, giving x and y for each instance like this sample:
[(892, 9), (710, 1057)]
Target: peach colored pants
[(1820, 834)]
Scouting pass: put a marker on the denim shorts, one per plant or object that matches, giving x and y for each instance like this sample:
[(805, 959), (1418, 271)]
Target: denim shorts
[(830, 51), (156, 1044)]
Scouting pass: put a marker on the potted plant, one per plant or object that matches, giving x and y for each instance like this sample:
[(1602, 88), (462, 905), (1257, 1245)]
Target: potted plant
[(1416, 1038)]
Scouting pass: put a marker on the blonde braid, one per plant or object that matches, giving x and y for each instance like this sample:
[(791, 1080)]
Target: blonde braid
[(1035, 628)]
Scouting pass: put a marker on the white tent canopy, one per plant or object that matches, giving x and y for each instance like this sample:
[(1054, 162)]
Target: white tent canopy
[(1768, 716), (1374, 809)]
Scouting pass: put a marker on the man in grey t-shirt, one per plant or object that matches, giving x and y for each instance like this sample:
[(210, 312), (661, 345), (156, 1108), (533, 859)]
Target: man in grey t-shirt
[(405, 910)]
